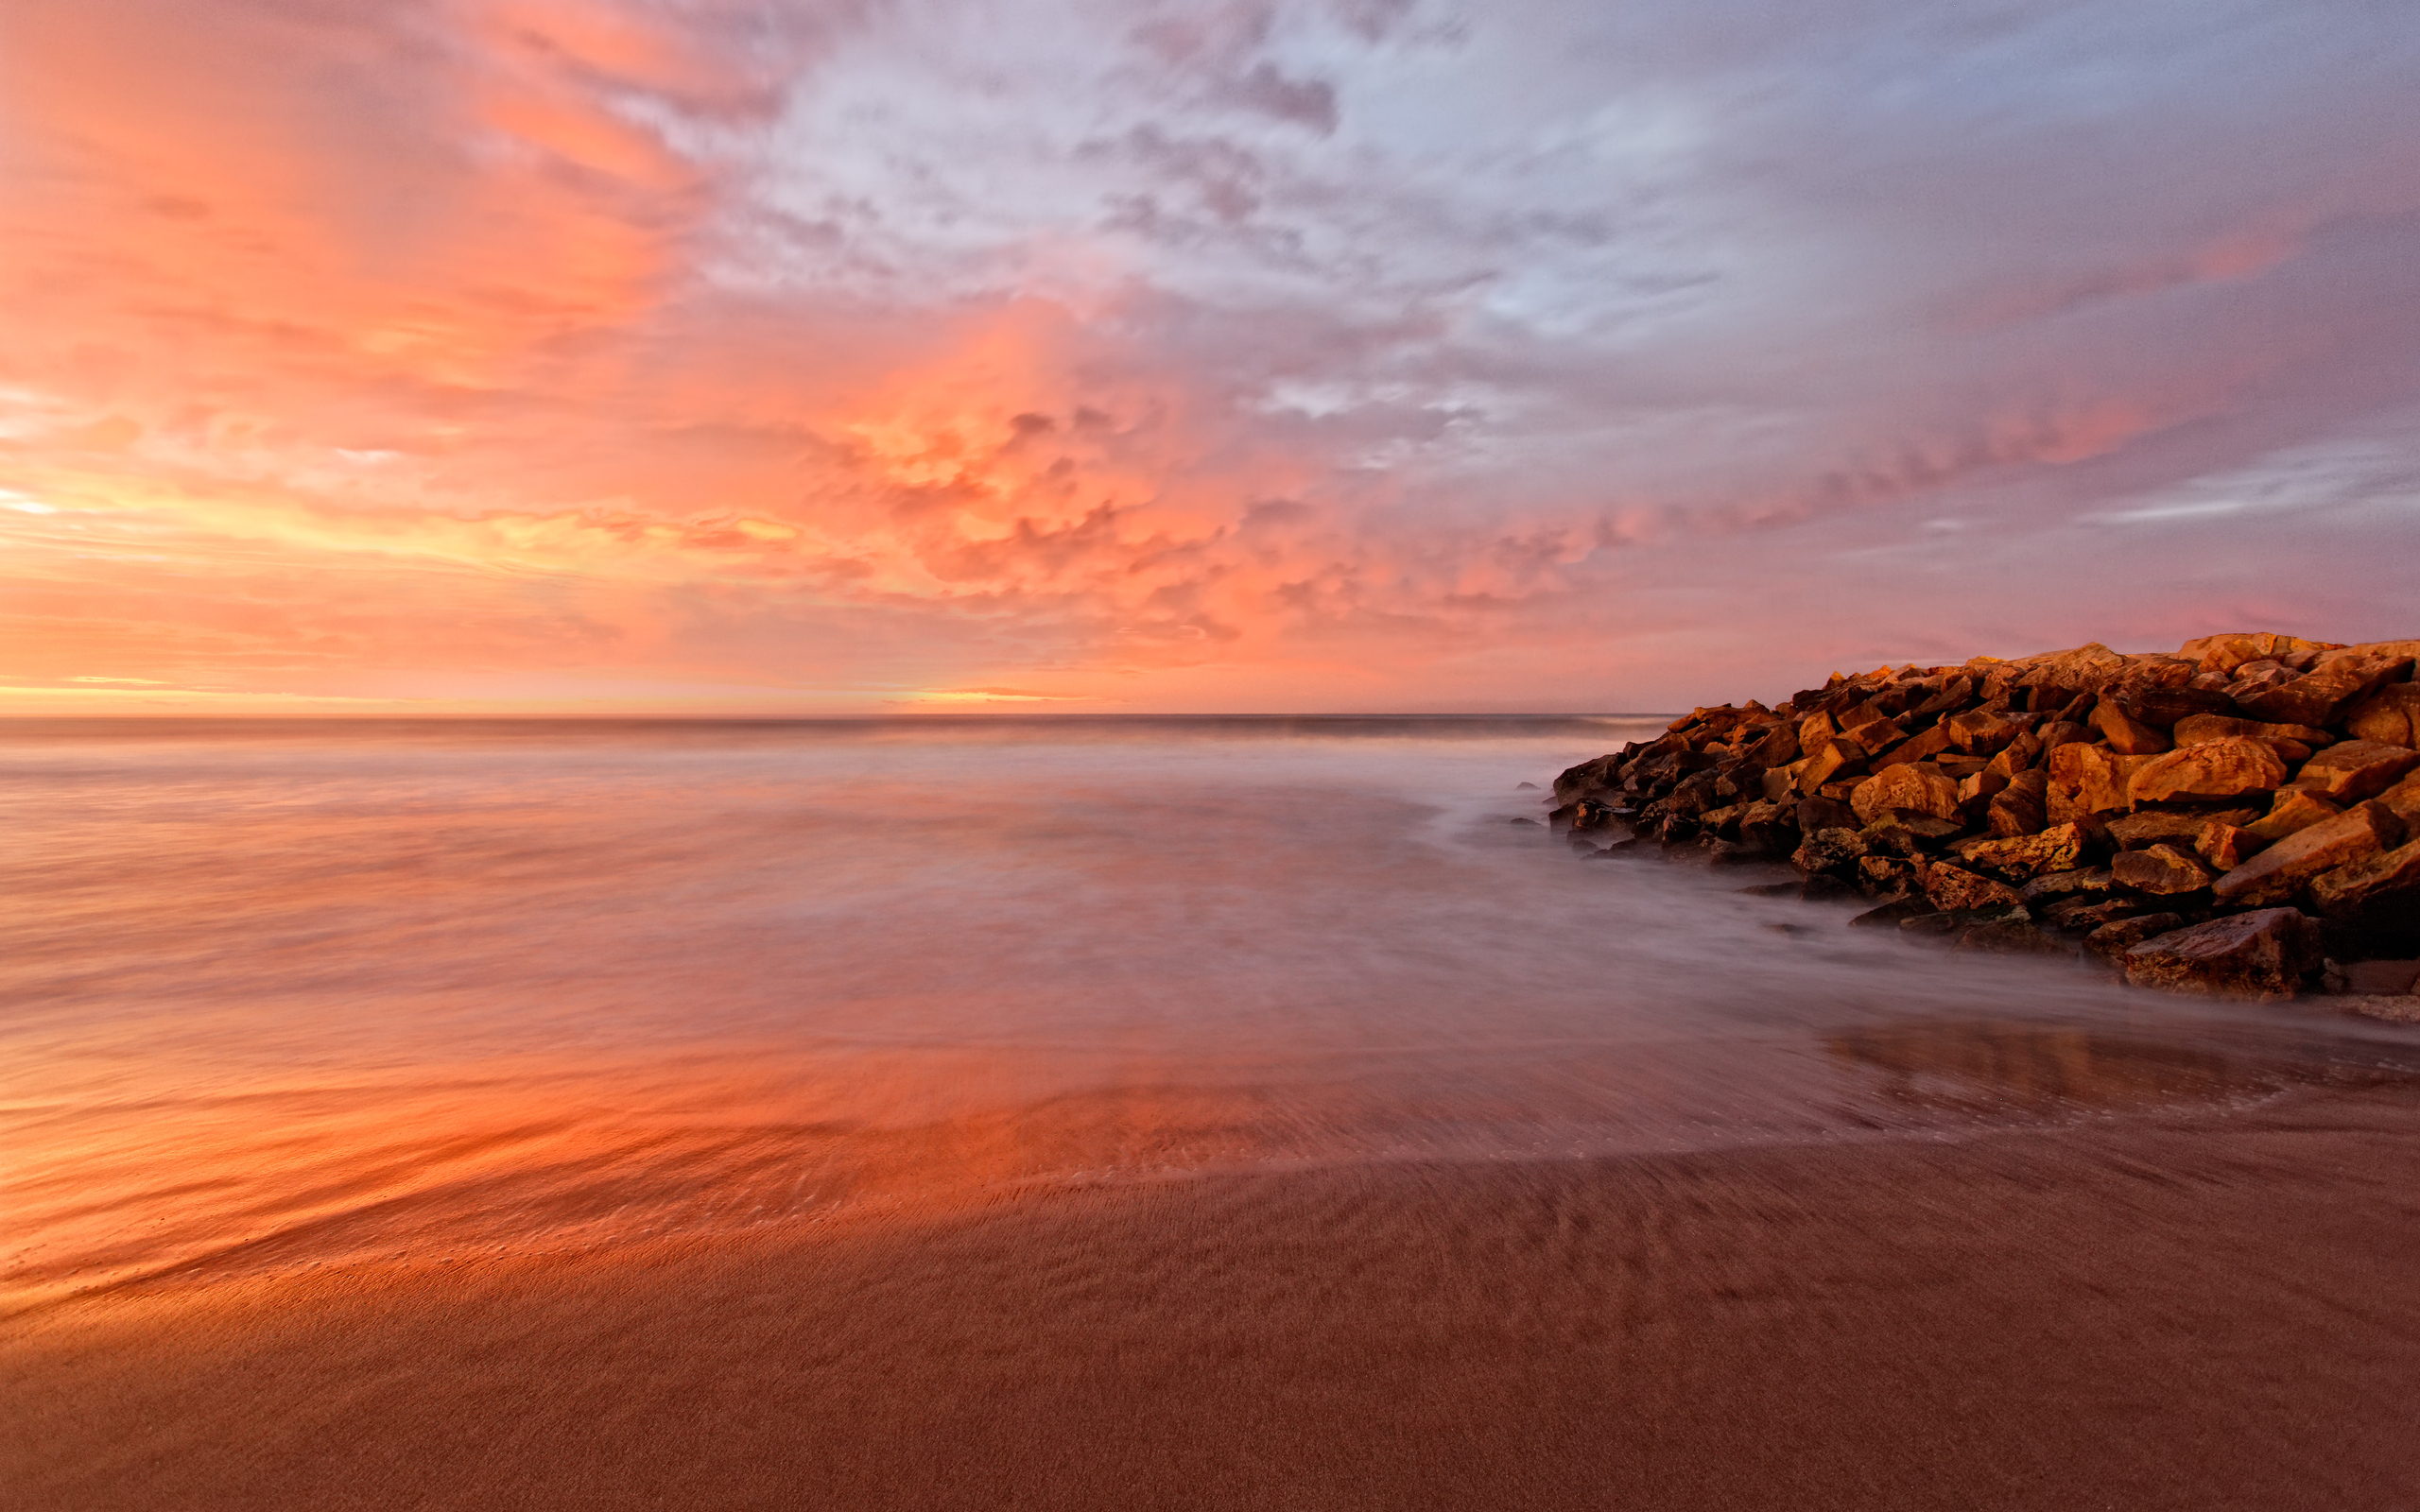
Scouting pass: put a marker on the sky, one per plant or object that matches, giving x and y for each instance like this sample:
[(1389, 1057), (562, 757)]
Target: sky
[(857, 356)]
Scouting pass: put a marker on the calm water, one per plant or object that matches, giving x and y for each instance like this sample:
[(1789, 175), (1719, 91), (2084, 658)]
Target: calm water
[(277, 995)]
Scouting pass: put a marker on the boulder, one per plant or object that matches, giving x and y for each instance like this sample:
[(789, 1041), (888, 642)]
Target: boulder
[(2214, 768), (2201, 728), (2087, 883), (1954, 889), (1885, 876), (1777, 746), (2113, 940), (1922, 746), (2126, 735), (2349, 889), (2265, 954), (2162, 707), (2226, 846), (2012, 936), (2286, 867), (1825, 814), (2356, 769), (2153, 826), (2404, 798), (2020, 808), (2224, 653), (2163, 871), (1828, 852), (2294, 809), (2018, 755), (1917, 787), (2087, 915), (2318, 697), (2092, 779), (1980, 732), (2022, 857), (2391, 715), (1840, 756)]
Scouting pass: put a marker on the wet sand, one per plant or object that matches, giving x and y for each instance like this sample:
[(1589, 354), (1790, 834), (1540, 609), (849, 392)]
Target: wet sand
[(2201, 1307)]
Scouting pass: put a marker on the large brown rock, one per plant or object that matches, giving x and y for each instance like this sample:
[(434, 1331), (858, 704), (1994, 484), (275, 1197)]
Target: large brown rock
[(2225, 847), (2404, 798), (2020, 808), (2294, 809), (2163, 871), (2224, 653), (2113, 940), (2093, 779), (2261, 954), (2320, 695), (1916, 787), (1920, 747), (2023, 857), (2214, 768), (1954, 889), (2283, 869), (1840, 756), (2356, 769), (2391, 715), (1980, 732), (2153, 826), (2347, 890), (2126, 735), (2199, 728)]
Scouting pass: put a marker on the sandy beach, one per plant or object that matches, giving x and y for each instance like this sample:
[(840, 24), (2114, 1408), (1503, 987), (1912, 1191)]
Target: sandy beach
[(2202, 1308)]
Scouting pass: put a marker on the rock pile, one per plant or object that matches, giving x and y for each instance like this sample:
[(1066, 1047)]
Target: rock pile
[(2225, 820)]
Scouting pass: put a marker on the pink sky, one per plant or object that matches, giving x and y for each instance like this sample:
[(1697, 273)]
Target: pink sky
[(732, 356)]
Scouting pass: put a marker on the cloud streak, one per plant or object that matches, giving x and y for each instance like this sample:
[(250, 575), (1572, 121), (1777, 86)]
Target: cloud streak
[(1254, 356)]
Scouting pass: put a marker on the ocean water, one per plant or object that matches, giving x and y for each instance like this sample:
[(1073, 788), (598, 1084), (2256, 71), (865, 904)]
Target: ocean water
[(277, 995)]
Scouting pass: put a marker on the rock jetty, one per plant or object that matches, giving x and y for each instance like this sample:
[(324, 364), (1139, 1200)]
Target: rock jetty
[(2235, 818)]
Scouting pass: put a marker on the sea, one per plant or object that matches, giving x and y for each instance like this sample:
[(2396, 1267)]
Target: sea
[(282, 995)]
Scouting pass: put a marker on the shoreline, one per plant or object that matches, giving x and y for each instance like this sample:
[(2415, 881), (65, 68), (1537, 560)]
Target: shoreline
[(2192, 1305)]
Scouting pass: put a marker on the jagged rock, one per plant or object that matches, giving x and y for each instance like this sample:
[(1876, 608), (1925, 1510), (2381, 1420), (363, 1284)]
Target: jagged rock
[(2356, 769), (2214, 768), (2163, 707), (2017, 756), (2319, 696), (2202, 727), (2020, 808), (2112, 940), (2090, 780), (1825, 814), (2265, 954), (2404, 798), (1979, 732), (2126, 735), (1824, 887), (1887, 914), (2012, 936), (2224, 653), (1840, 756), (1953, 888), (2021, 858), (2163, 871), (1885, 876), (1924, 745), (2391, 716), (2295, 809), (1829, 852), (2226, 846), (2088, 915), (2151, 826), (2082, 882), (2281, 870), (1919, 787), (2347, 890), (1769, 827), (1950, 924)]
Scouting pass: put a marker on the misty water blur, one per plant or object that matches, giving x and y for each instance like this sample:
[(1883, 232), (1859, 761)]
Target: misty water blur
[(279, 994)]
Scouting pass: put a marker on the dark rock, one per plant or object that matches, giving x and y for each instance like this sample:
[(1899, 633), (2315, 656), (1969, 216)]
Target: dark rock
[(1828, 852), (1770, 889), (1733, 854), (1887, 914), (1821, 889), (2112, 940), (2160, 708), (2344, 892), (2318, 697), (2265, 954), (1954, 889), (1885, 876), (2094, 882), (1524, 787), (2019, 808), (2286, 867), (2391, 716), (1826, 814), (2163, 871), (2088, 914), (2013, 937)]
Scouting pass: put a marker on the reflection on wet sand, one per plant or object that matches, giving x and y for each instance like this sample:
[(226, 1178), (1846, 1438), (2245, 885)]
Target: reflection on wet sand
[(1991, 1065)]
